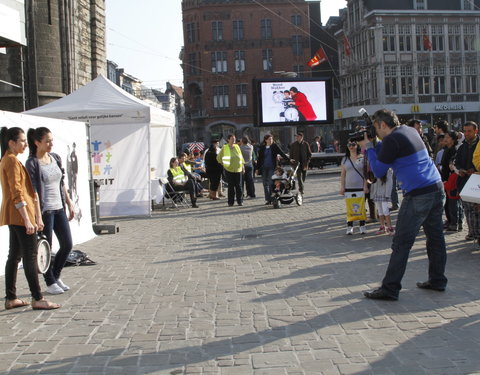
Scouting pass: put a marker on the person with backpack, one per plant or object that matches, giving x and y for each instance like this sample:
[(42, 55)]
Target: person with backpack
[(47, 175)]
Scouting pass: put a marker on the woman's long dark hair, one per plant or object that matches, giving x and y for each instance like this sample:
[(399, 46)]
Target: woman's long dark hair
[(9, 134), (347, 152), (36, 135)]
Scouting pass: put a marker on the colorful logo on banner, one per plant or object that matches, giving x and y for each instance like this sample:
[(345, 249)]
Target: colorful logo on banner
[(102, 169)]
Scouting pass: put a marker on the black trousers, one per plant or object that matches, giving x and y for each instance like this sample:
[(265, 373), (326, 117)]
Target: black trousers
[(249, 182), (234, 181), (214, 179), (302, 175), (23, 247), (190, 186)]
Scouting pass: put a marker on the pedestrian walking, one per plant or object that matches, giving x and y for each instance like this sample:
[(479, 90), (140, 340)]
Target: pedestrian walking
[(247, 153), (268, 154), (300, 154)]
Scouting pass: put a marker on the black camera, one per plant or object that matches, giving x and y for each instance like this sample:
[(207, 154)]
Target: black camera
[(363, 125)]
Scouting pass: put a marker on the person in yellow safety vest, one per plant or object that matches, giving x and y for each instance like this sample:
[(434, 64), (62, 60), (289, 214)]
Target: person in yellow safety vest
[(187, 166), (180, 181), (232, 160)]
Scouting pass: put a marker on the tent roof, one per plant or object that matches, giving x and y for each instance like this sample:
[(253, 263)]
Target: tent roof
[(103, 96)]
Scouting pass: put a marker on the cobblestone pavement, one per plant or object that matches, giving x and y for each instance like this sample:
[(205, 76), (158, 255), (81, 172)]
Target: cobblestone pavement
[(249, 290)]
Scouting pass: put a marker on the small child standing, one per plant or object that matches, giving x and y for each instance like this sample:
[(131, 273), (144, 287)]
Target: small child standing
[(380, 192)]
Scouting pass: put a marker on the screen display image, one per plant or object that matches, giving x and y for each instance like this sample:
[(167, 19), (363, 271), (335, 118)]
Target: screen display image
[(294, 101)]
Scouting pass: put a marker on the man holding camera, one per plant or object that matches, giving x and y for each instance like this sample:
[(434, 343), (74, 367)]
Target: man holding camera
[(403, 150)]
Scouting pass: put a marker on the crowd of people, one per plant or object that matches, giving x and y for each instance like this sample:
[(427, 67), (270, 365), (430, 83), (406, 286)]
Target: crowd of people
[(234, 165)]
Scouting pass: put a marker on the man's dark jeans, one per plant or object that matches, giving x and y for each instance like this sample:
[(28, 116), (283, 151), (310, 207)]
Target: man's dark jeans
[(267, 173), (302, 175), (249, 183), (234, 181), (23, 247), (415, 211), (56, 221)]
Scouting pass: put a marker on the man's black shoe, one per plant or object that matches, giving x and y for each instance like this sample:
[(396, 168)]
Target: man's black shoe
[(379, 294), (427, 285)]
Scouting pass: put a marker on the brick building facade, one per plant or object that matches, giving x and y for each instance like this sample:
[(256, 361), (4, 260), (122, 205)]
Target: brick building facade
[(228, 44), (66, 49)]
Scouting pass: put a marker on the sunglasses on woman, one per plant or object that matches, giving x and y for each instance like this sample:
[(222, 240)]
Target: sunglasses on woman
[(351, 144)]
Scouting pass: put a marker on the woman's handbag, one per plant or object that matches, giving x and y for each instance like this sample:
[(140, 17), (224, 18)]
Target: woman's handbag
[(355, 202), (471, 190), (44, 254)]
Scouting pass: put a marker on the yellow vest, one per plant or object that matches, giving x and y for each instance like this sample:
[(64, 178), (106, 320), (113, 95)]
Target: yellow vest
[(178, 175)]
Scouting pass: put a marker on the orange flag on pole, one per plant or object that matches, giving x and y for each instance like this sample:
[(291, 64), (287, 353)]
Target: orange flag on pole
[(319, 58), (346, 46), (426, 42)]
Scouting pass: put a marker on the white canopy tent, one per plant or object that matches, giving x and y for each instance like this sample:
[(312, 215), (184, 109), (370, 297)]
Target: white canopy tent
[(75, 162), (128, 138)]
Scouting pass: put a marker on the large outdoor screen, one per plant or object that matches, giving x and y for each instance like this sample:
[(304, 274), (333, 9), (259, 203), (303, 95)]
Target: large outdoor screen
[(301, 101)]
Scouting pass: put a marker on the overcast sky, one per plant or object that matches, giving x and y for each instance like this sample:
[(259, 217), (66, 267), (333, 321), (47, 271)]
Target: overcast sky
[(145, 37)]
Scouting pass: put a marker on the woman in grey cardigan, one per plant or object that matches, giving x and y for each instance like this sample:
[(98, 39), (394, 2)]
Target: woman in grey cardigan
[(47, 175)]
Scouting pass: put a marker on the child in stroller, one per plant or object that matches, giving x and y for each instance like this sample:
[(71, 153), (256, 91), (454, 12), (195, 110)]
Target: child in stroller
[(284, 187)]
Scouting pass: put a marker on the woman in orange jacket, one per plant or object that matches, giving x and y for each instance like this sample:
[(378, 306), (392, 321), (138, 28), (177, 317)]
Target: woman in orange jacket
[(20, 210)]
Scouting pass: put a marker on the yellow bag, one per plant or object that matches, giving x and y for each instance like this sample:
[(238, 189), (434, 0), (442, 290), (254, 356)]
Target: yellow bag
[(355, 202)]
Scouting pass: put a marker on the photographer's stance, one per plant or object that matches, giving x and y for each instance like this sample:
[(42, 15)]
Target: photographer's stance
[(403, 150)]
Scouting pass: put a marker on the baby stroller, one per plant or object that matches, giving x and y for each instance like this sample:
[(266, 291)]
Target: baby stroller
[(285, 190)]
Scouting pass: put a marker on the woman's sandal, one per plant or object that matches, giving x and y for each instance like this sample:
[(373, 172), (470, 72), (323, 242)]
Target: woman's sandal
[(14, 303), (43, 304)]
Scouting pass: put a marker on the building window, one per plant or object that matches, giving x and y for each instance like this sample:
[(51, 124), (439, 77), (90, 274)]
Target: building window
[(238, 30), (299, 69), (266, 29), (219, 62), (406, 80), (467, 4), (390, 72), (241, 95), (297, 45), (454, 41), (217, 30), (437, 37), (456, 79), (296, 20), (220, 97), (191, 32), (239, 61), (193, 63), (420, 4), (267, 60), (424, 80), (439, 80), (389, 38), (470, 79), (404, 37), (469, 37)]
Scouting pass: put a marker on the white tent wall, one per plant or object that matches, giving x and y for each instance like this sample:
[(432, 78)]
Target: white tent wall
[(120, 165), (103, 104), (65, 135), (162, 149)]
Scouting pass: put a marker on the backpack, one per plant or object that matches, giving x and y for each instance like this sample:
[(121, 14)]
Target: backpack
[(78, 258)]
